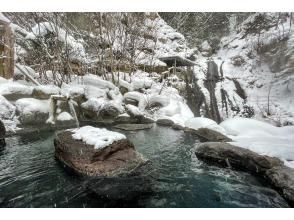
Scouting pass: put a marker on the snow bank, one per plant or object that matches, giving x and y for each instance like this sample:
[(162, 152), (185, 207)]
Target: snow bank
[(262, 138), (31, 105), (93, 80), (15, 88), (199, 122), (239, 126), (99, 137)]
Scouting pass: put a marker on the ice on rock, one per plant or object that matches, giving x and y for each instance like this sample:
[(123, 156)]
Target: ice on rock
[(99, 137)]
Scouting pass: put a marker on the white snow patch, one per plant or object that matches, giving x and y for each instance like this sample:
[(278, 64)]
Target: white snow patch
[(31, 105), (99, 137), (64, 116)]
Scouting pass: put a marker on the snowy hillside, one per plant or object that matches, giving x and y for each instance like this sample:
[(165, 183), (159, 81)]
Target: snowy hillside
[(262, 62)]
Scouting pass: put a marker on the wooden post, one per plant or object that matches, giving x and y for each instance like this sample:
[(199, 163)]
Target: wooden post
[(6, 51)]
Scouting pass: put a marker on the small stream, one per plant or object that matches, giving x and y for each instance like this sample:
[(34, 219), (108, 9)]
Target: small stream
[(30, 176)]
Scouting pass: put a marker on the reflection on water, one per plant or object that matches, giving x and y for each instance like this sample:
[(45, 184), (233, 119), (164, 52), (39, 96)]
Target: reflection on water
[(31, 177)]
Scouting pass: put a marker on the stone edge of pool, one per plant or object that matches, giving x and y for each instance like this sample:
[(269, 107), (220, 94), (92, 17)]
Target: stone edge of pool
[(270, 169)]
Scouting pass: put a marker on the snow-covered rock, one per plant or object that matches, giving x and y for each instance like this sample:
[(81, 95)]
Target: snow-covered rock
[(261, 137), (45, 91), (13, 91), (139, 97), (64, 116), (101, 109), (199, 122), (99, 137), (32, 111), (7, 110), (97, 152)]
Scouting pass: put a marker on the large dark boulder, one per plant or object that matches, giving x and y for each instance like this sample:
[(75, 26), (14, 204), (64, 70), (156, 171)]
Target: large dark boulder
[(118, 158), (282, 179), (133, 127), (229, 155), (2, 134), (207, 134), (165, 122), (271, 169)]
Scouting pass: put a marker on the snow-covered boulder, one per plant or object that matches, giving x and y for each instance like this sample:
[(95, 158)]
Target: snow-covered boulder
[(97, 152), (75, 92), (98, 109), (207, 129), (45, 91), (7, 110), (125, 118), (32, 111), (138, 97), (13, 91), (138, 115), (199, 122), (165, 121), (261, 137)]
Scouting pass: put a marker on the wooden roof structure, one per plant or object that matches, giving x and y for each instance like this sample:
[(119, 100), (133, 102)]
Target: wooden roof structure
[(177, 61)]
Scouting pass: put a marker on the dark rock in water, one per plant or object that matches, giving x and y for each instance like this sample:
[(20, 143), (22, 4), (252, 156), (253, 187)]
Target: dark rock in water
[(145, 120), (118, 158), (178, 127), (229, 155), (125, 118), (270, 169), (2, 134), (128, 188), (165, 122), (282, 179), (133, 127), (207, 134)]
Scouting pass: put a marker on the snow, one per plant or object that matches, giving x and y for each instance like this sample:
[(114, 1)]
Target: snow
[(134, 110), (94, 104), (7, 110), (94, 92), (99, 137), (64, 116), (139, 97), (262, 138), (72, 90), (31, 105), (199, 122), (4, 18), (93, 80), (15, 88), (48, 89)]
